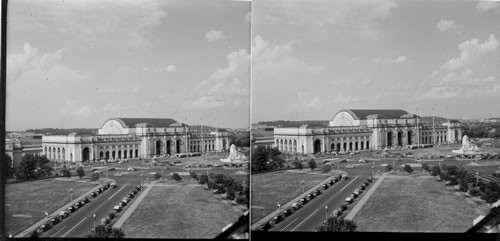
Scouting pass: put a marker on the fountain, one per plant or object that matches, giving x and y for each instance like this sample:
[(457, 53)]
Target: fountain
[(467, 147), (234, 156)]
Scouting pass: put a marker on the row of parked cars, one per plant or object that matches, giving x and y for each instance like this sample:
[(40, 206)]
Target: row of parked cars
[(348, 201), (71, 209), (297, 205), (118, 208)]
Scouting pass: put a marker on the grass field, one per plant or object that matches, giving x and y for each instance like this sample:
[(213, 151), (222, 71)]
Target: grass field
[(26, 202), (417, 205), (271, 188), (180, 211)]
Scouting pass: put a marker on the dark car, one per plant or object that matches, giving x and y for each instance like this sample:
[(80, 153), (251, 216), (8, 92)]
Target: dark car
[(130, 195), (86, 200), (82, 203), (135, 192), (43, 228), (99, 190), (122, 204), (113, 185), (70, 209), (138, 188), (309, 197), (302, 201), (331, 182), (93, 195), (318, 192), (54, 221), (288, 212), (77, 205), (107, 185)]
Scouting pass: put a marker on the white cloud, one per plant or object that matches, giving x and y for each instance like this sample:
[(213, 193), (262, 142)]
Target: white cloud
[(213, 35), (112, 107), (305, 100), (445, 25), (485, 5), (32, 65), (206, 102), (72, 109), (278, 59), (400, 59), (471, 52), (440, 93), (341, 99), (170, 68)]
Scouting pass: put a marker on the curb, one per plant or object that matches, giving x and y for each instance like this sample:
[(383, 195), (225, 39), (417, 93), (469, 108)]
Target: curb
[(55, 213), (285, 206), (361, 203), (134, 205)]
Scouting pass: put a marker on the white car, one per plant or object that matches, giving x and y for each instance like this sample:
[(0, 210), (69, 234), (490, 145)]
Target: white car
[(349, 200)]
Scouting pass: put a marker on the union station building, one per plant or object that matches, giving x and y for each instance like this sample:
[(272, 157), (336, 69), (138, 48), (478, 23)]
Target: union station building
[(367, 129), (122, 138)]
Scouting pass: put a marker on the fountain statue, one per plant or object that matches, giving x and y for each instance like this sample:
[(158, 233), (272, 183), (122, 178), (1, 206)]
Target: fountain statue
[(467, 147), (234, 155)]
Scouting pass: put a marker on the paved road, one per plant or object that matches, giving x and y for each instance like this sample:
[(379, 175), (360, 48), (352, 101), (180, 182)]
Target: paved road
[(80, 223)]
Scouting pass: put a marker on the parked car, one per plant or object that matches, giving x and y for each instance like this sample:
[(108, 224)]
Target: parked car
[(86, 199), (349, 200), (113, 185), (130, 195), (336, 213), (93, 195), (53, 221), (117, 209), (121, 204), (77, 205), (295, 206), (70, 209), (82, 202), (138, 188), (345, 177), (331, 182), (324, 186), (288, 212), (43, 228), (354, 195), (309, 197), (302, 201), (318, 192), (104, 221)]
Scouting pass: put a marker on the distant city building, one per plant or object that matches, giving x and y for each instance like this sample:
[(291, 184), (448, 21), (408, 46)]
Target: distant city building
[(121, 138), (17, 147), (352, 130)]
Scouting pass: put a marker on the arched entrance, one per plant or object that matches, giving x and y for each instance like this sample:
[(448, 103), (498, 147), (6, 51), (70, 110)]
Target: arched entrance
[(368, 145), (409, 138), (158, 147), (113, 154), (178, 146), (85, 154), (224, 145), (125, 154), (136, 153), (350, 146), (119, 154), (107, 155), (71, 157), (356, 146), (317, 146), (345, 146), (131, 153), (338, 146), (400, 138), (389, 139), (101, 155), (303, 149), (457, 138), (332, 147)]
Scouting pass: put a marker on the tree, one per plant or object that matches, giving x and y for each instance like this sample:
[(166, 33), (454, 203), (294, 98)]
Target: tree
[(388, 167), (66, 172), (475, 192), (298, 164), (490, 196), (176, 177), (193, 175), (407, 168), (11, 170), (327, 168), (95, 176), (312, 164), (338, 225), (80, 172), (265, 158), (435, 171), (203, 179), (27, 168), (426, 167), (105, 231)]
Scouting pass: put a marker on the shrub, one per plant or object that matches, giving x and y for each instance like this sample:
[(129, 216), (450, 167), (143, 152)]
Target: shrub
[(475, 192), (176, 177), (426, 167), (157, 175), (194, 175), (80, 172), (312, 164), (203, 179), (388, 167), (407, 168), (435, 171), (66, 172), (95, 177), (112, 169), (327, 168), (298, 164)]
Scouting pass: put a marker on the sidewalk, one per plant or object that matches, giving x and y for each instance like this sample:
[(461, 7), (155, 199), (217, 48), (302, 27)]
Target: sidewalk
[(55, 213), (359, 205), (134, 205), (287, 205)]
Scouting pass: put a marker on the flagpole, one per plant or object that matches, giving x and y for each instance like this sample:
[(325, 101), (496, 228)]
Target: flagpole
[(433, 130), (418, 133)]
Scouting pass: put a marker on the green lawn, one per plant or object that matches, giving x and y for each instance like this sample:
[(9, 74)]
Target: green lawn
[(417, 205), (271, 188), (180, 211), (26, 202)]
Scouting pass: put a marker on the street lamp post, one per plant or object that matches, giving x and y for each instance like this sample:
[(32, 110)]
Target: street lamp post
[(326, 214), (303, 188), (141, 177), (477, 177), (71, 193), (93, 217)]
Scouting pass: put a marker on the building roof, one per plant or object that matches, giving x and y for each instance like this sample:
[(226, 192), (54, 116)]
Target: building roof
[(362, 114), (153, 122), (197, 128)]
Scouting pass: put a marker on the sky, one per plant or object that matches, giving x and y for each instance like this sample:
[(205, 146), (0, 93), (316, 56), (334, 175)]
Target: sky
[(311, 59), (76, 63)]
